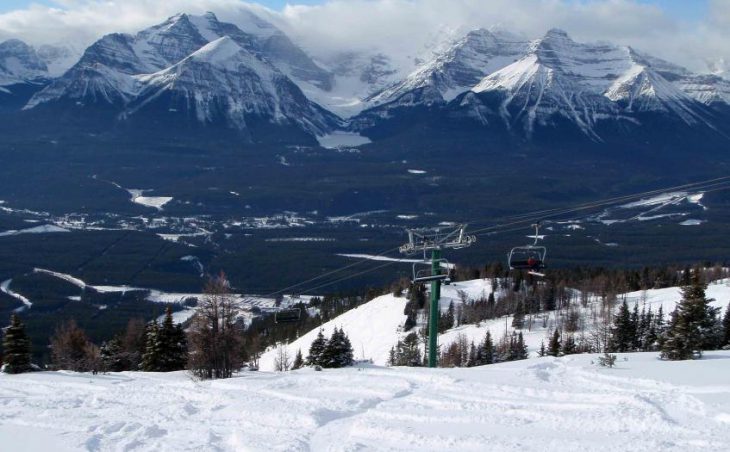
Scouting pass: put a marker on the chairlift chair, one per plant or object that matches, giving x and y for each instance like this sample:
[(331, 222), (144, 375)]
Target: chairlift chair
[(529, 257), (288, 315), (427, 274)]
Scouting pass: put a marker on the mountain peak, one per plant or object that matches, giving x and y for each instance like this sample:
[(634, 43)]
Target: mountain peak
[(557, 33), (19, 62)]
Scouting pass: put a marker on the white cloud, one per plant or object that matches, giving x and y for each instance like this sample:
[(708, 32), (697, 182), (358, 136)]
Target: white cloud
[(400, 26)]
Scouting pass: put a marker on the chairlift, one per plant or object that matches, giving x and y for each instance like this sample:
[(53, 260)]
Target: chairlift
[(427, 274), (529, 257), (288, 315)]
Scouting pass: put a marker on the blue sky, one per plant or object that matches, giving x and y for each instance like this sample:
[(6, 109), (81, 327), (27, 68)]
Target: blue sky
[(689, 10)]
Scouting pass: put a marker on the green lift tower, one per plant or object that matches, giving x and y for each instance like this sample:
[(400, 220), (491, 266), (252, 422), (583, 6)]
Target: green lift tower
[(436, 271)]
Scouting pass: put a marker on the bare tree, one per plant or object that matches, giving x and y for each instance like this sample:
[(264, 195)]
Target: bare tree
[(282, 362), (72, 350), (215, 338)]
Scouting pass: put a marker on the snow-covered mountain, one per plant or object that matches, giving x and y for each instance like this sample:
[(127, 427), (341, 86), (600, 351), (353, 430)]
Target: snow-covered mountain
[(553, 82), (22, 63), (490, 76), (198, 66), (224, 81), (585, 83), (459, 67)]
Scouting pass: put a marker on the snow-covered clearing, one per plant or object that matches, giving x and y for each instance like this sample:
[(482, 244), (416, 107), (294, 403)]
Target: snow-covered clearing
[(546, 404)]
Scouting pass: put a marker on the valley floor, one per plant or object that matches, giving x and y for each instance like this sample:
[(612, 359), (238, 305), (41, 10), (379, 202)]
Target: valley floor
[(540, 404)]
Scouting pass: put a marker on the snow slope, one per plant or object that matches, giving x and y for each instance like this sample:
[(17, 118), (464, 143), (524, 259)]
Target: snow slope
[(368, 340), (376, 326), (546, 404)]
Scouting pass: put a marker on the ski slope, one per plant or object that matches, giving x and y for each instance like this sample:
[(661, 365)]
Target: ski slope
[(545, 404), (375, 327)]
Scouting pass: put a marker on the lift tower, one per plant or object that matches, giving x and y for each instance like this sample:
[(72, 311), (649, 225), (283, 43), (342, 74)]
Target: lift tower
[(435, 240)]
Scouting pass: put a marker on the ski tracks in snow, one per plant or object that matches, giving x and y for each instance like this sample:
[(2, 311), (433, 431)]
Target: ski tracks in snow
[(539, 404)]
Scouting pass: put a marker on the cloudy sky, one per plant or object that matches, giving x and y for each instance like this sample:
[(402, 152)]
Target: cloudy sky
[(694, 33)]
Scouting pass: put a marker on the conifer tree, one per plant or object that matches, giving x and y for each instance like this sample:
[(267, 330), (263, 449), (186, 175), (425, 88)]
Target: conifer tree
[(346, 351), (173, 348), (316, 350), (113, 356), (542, 351), (635, 332), (554, 344), (153, 350), (623, 330), (649, 338), (693, 324), (569, 346), (520, 347), (485, 354), (472, 361), (16, 348), (726, 326), (338, 351), (518, 320), (298, 360), (446, 320)]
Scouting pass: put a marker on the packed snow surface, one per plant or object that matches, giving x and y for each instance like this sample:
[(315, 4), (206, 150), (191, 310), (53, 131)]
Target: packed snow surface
[(546, 404)]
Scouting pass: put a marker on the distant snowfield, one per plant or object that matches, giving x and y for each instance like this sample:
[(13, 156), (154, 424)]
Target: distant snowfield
[(546, 404), (340, 139), (137, 196), (43, 229), (156, 202)]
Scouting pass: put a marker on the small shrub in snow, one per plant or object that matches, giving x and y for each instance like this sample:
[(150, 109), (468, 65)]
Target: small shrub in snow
[(607, 360)]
